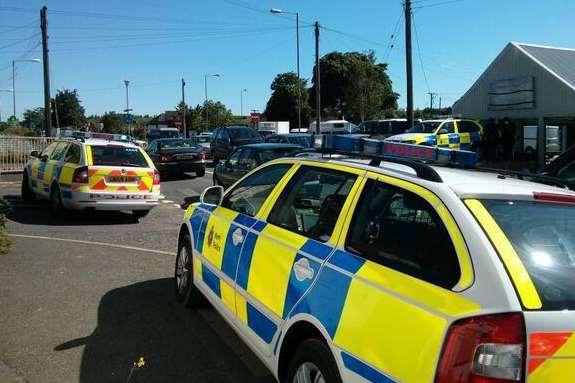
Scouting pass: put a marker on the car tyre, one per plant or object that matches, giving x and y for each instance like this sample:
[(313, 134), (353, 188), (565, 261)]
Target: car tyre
[(26, 192), (56, 207), (312, 358), (185, 290), (201, 173), (140, 213)]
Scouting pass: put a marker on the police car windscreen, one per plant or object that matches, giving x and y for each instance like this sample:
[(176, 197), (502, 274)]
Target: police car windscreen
[(112, 155), (543, 236)]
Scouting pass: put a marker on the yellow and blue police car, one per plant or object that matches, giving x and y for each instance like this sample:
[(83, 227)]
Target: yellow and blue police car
[(103, 173), (394, 270), (458, 134)]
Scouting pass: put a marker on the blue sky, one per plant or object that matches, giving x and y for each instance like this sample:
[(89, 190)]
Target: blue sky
[(95, 45)]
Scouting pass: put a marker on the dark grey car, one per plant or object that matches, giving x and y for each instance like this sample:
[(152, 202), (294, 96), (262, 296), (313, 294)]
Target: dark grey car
[(225, 140)]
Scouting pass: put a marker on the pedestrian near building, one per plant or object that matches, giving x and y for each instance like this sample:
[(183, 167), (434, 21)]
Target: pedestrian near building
[(490, 139), (508, 138)]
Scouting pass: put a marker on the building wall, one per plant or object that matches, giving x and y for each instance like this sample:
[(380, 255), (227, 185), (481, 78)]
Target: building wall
[(553, 98)]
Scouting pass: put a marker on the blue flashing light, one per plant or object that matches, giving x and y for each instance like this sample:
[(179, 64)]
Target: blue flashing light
[(371, 147)]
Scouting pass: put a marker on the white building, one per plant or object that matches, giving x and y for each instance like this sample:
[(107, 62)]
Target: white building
[(532, 85)]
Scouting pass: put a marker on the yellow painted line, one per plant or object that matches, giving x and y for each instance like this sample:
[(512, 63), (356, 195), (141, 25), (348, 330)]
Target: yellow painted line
[(521, 279), (92, 243)]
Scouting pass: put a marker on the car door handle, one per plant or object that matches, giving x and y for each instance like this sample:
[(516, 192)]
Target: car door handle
[(303, 270)]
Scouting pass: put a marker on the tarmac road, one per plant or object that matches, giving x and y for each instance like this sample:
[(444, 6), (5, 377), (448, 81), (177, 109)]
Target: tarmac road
[(82, 298)]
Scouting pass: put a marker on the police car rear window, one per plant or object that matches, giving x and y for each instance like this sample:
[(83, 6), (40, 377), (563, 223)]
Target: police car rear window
[(112, 155), (543, 236)]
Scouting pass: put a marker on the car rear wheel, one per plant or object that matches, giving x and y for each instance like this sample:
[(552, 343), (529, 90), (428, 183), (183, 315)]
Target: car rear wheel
[(140, 213), (27, 194), (184, 288), (312, 362)]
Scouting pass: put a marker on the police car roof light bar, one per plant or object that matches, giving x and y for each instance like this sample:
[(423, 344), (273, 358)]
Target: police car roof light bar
[(414, 156)]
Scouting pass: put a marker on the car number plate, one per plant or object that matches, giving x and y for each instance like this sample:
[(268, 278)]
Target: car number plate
[(186, 157), (122, 179)]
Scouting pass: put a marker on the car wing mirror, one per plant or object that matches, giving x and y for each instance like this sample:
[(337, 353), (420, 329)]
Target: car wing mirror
[(442, 131), (34, 153), (212, 195)]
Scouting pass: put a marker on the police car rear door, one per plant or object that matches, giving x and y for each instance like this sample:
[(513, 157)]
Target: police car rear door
[(297, 236)]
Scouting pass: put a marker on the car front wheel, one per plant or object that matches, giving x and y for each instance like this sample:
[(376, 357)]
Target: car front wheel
[(184, 288), (312, 362), (26, 192)]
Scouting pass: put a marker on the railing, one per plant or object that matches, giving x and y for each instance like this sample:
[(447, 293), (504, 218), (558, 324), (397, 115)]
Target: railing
[(15, 151)]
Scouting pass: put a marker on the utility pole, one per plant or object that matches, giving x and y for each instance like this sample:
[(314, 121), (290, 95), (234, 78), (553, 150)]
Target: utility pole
[(431, 95), (317, 83), (408, 65), (242, 102), (439, 104), (128, 110), (46, 64), (298, 77), (184, 108)]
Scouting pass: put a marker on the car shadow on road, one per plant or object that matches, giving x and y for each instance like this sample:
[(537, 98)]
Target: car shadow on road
[(38, 213), (177, 344)]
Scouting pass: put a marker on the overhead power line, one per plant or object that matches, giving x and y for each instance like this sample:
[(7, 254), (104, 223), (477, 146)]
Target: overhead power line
[(419, 54), (436, 4)]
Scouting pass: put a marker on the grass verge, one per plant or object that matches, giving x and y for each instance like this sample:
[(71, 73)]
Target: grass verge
[(5, 242)]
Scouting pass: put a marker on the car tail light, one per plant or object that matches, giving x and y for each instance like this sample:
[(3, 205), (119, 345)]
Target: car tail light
[(80, 175), (166, 157), (484, 349), (552, 197), (156, 177)]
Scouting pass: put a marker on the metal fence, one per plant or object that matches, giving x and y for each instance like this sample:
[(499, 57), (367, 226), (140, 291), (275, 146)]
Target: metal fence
[(15, 151)]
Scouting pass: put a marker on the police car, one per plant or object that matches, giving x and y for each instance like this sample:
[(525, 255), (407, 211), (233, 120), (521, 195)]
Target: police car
[(455, 134), (389, 271), (104, 173)]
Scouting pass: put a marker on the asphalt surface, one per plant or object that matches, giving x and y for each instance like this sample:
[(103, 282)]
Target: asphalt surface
[(85, 310)]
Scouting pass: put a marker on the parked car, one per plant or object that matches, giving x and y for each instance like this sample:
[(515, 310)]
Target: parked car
[(248, 157), (450, 133), (178, 155), (156, 134), (226, 140), (204, 140), (563, 167), (381, 129), (305, 140)]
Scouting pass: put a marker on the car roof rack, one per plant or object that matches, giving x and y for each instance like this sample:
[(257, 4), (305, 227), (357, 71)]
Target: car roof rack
[(82, 136)]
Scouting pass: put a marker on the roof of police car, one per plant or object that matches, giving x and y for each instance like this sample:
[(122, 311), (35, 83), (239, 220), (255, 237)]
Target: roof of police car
[(102, 141), (462, 181)]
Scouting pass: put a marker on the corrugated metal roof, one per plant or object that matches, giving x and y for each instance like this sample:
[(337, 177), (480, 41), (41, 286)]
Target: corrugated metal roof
[(559, 61)]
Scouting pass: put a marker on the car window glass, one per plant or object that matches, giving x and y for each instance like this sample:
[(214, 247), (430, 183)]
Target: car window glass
[(224, 135), (250, 194), (567, 172), (59, 151), (447, 127), (117, 155), (311, 202), (48, 150), (234, 158), (73, 155), (467, 127), (400, 230), (248, 159), (243, 133)]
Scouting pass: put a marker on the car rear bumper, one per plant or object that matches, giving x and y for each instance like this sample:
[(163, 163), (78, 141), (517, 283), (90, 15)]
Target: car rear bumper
[(181, 166), (79, 200)]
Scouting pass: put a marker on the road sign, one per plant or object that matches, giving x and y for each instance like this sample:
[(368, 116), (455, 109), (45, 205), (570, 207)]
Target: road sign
[(128, 118), (255, 117), (12, 121)]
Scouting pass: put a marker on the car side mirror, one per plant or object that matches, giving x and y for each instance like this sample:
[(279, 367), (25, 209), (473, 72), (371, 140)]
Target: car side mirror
[(34, 153), (442, 131), (212, 195)]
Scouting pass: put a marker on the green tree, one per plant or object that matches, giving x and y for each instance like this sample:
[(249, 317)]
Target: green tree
[(217, 115), (283, 103), (354, 86), (34, 117), (70, 111), (112, 122)]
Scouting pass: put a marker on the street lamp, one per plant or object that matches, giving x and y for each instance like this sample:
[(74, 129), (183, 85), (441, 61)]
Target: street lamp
[(14, 80), (206, 95), (279, 11), (242, 102), (128, 110)]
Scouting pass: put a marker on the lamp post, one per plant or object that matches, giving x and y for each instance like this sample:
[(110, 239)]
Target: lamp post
[(242, 102), (14, 80), (206, 96), (279, 11), (128, 110)]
